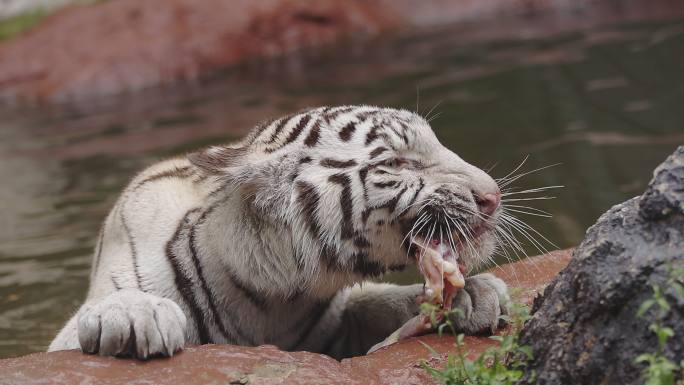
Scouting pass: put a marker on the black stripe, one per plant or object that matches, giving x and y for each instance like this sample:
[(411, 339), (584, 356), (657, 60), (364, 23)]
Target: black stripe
[(365, 267), (176, 172), (134, 252), (398, 267), (347, 131), (200, 274), (360, 241), (390, 205), (330, 116), (414, 197), (377, 151), (401, 134), (253, 296), (385, 184), (259, 129), (116, 285), (333, 163), (306, 159), (329, 257), (372, 135), (298, 129), (308, 200), (365, 214), (363, 174), (282, 122), (315, 133), (184, 284), (362, 116), (294, 134), (346, 204)]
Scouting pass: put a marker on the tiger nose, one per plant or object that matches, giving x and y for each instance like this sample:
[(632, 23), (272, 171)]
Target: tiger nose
[(488, 202)]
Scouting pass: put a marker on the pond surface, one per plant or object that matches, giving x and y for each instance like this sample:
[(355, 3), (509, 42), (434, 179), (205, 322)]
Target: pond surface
[(605, 104)]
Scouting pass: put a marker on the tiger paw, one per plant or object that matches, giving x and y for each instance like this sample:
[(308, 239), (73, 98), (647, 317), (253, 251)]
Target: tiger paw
[(130, 323), (481, 303)]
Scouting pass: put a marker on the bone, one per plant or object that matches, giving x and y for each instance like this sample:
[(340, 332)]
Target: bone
[(415, 326), (434, 281), (443, 278)]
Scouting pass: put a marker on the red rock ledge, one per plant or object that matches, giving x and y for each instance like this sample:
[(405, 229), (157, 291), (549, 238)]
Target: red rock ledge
[(228, 364)]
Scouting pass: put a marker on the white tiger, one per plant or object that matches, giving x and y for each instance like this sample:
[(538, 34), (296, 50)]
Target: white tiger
[(266, 241)]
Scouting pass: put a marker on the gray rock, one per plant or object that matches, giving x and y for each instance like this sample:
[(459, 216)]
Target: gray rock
[(585, 329)]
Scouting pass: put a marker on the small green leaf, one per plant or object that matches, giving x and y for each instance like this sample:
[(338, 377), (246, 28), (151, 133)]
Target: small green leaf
[(459, 339), (679, 288), (644, 357), (527, 351), (663, 304), (645, 306)]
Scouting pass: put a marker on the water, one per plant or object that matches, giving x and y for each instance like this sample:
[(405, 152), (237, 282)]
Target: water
[(604, 103)]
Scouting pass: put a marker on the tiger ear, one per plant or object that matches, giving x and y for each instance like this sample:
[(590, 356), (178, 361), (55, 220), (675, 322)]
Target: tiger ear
[(218, 159)]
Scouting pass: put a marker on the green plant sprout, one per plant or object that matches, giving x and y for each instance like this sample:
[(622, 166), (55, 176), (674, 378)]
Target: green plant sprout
[(498, 365), (16, 25), (659, 369), (19, 24)]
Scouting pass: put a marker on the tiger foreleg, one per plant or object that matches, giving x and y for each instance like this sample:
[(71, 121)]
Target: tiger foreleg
[(480, 304), (131, 323), (371, 312)]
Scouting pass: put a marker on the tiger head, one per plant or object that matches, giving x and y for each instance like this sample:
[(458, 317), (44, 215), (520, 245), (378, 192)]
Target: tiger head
[(357, 186)]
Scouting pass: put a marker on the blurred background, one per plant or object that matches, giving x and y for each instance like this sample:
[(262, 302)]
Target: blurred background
[(93, 91)]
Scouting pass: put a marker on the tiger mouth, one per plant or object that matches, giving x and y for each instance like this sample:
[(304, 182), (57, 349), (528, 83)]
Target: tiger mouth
[(438, 262), (438, 258), (468, 238)]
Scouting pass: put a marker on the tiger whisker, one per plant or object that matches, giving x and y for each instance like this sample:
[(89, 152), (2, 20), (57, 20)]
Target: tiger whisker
[(529, 213), (525, 225), (526, 208), (533, 190), (427, 116), (527, 199), (514, 170), (435, 116), (409, 235), (512, 179), (517, 225)]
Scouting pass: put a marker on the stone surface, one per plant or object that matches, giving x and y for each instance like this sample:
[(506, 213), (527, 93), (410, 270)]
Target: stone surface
[(228, 364), (585, 329), (127, 45)]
